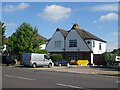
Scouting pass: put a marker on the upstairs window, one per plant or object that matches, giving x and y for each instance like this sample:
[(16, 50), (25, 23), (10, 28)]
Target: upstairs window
[(100, 48), (72, 43), (93, 43), (57, 43)]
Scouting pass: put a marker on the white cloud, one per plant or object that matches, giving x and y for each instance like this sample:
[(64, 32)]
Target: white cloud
[(109, 17), (10, 24), (116, 33), (55, 13), (106, 7), (12, 8)]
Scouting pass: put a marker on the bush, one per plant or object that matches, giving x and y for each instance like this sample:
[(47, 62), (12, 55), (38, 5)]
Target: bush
[(56, 57), (109, 59)]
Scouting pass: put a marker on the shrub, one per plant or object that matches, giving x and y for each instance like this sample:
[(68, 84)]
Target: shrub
[(109, 59), (56, 57)]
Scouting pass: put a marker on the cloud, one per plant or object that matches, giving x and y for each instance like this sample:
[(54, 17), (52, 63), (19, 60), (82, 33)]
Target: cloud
[(12, 8), (116, 33), (55, 13), (109, 17), (106, 7), (10, 24)]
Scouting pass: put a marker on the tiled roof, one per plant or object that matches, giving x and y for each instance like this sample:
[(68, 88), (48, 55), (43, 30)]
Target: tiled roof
[(86, 35), (45, 39), (64, 32), (83, 34)]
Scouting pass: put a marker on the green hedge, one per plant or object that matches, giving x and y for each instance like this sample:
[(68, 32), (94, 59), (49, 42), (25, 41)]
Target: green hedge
[(109, 59), (56, 57)]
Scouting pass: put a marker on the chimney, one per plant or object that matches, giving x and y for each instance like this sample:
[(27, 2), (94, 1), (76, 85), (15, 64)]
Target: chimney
[(75, 26)]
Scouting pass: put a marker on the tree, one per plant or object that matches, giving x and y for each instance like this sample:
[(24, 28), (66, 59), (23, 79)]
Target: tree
[(42, 51), (116, 51), (25, 39), (56, 57), (2, 33)]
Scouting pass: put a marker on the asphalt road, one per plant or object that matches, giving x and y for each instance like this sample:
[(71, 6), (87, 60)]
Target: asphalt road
[(33, 78)]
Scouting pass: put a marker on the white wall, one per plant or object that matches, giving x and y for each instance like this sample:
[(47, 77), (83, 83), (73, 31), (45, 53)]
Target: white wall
[(4, 47), (96, 48), (51, 45), (81, 46), (42, 46)]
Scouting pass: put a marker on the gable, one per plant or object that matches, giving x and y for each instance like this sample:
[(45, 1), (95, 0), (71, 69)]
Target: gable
[(51, 44), (81, 44)]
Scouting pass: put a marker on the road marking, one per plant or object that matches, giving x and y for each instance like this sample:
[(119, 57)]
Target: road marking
[(19, 77), (70, 86)]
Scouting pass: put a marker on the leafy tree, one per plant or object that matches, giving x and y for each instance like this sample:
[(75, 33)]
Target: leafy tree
[(25, 39), (56, 57), (116, 51), (42, 51), (2, 33)]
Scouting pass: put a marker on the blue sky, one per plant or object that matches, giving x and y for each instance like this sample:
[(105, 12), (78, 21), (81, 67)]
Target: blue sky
[(98, 18)]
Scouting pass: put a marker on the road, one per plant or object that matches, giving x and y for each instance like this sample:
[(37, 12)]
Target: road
[(34, 78)]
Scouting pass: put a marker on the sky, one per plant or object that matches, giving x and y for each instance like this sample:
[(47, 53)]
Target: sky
[(98, 18)]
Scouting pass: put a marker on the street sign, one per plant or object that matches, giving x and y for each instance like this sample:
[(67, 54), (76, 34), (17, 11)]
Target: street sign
[(117, 58)]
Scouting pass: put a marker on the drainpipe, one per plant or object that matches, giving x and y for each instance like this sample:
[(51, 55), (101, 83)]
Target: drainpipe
[(64, 47)]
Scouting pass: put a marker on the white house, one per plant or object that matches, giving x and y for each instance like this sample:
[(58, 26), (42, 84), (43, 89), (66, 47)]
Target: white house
[(76, 44)]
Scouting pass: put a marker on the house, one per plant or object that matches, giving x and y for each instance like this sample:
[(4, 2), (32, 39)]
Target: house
[(76, 44), (44, 44)]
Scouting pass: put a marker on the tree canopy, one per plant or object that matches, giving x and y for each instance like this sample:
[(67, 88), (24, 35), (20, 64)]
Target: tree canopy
[(25, 39), (2, 33)]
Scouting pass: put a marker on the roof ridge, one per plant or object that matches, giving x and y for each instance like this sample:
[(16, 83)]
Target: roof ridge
[(64, 32)]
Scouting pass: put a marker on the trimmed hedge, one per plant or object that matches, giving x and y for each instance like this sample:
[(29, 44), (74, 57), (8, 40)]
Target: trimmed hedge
[(56, 57), (109, 57)]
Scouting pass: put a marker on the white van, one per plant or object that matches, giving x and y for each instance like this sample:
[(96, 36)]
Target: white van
[(34, 59)]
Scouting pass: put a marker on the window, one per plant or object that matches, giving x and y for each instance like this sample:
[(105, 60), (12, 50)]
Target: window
[(57, 43), (72, 43), (100, 48), (93, 43)]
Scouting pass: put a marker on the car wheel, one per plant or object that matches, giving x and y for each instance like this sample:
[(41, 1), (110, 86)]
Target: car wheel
[(34, 65), (49, 65), (60, 65)]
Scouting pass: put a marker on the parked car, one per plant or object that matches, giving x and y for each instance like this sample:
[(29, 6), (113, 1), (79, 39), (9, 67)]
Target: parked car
[(63, 63), (34, 59), (8, 60)]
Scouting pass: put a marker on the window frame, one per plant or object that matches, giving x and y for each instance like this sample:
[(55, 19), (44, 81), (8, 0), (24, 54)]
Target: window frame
[(73, 43), (58, 43), (100, 46)]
